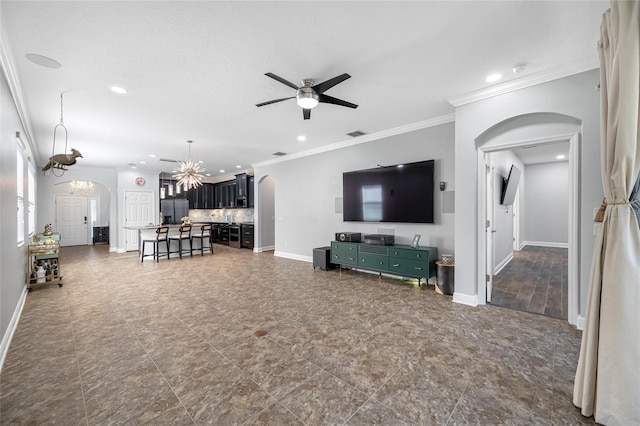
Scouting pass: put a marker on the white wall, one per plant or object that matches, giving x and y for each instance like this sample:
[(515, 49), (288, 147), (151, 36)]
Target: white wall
[(501, 162), (547, 201), (572, 96), (116, 181), (306, 190)]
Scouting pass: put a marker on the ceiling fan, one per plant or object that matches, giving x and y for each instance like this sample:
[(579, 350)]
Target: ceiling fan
[(309, 95)]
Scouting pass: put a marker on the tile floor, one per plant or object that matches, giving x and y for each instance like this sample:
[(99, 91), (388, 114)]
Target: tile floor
[(534, 281), (248, 338)]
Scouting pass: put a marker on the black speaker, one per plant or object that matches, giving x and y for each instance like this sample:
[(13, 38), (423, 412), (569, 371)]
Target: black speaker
[(352, 237)]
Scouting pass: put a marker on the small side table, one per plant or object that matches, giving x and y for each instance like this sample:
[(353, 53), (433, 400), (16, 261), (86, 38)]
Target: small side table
[(445, 272)]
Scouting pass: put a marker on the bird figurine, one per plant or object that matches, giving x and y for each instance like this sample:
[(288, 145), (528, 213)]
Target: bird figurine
[(59, 161)]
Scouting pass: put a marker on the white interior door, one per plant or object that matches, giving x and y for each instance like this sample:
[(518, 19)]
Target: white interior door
[(490, 228), (139, 211), (71, 219)]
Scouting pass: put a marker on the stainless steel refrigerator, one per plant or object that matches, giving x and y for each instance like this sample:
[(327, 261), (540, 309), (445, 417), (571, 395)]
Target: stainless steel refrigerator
[(173, 210)]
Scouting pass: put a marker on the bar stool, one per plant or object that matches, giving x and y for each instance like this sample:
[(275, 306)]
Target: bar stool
[(205, 234), (161, 236), (184, 234)]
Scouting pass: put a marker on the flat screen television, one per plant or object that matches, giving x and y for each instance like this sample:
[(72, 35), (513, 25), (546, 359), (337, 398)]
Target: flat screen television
[(510, 186), (399, 193)]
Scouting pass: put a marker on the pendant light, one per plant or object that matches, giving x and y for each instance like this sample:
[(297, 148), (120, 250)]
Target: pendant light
[(190, 173)]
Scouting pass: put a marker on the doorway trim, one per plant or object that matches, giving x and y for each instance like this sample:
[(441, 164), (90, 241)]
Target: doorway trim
[(574, 217)]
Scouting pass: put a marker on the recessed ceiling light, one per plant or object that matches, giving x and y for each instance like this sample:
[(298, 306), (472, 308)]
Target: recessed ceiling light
[(201, 162), (302, 138), (142, 162), (238, 166), (518, 68), (560, 157), (152, 155), (43, 60), (221, 171), (119, 90), (207, 174), (493, 77)]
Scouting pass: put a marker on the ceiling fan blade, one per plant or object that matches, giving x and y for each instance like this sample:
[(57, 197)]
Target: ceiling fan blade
[(282, 80), (306, 113), (274, 101), (326, 85), (331, 100)]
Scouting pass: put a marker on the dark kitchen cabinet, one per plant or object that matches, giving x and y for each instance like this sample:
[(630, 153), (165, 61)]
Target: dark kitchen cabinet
[(241, 185), (250, 191), (221, 233), (191, 195), (225, 194), (201, 197), (246, 235)]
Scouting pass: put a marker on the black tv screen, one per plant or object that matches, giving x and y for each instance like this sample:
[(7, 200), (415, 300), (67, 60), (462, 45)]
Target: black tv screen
[(400, 193), (510, 186)]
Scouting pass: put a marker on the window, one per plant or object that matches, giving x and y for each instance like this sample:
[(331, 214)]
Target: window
[(20, 191), (31, 187), (372, 203)]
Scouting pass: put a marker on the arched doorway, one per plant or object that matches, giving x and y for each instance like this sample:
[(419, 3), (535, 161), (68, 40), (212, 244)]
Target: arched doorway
[(81, 207), (529, 130)]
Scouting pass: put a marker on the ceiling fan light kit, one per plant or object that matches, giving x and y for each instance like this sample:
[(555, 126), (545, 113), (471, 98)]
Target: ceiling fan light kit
[(308, 95)]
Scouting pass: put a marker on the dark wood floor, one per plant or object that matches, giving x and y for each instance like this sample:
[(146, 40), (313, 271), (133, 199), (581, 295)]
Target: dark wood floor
[(534, 281)]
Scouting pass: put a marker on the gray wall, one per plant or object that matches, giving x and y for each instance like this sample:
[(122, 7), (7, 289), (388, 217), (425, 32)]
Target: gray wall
[(306, 190), (266, 232), (13, 259), (570, 96), (547, 201)]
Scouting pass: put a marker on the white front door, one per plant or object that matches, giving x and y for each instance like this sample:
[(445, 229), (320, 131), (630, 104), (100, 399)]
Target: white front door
[(139, 211), (71, 220)]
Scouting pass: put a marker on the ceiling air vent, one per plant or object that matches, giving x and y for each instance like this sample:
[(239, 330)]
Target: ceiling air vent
[(279, 154), (356, 133), (168, 160)]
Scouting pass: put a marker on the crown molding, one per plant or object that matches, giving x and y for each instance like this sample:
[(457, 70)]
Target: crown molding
[(13, 81), (448, 118), (566, 70)]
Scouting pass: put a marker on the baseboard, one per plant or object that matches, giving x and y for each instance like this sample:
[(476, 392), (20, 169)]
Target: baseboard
[(265, 248), (114, 250), (502, 264), (120, 250), (13, 324), (545, 244), (580, 323), (465, 299), (293, 256)]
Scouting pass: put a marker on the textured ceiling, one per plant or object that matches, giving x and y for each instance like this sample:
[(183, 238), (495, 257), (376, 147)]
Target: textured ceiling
[(195, 70)]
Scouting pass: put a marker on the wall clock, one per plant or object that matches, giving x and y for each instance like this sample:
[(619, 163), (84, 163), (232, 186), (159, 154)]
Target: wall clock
[(139, 181)]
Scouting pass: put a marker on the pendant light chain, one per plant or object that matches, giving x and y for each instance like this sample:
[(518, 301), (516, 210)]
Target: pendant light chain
[(53, 170)]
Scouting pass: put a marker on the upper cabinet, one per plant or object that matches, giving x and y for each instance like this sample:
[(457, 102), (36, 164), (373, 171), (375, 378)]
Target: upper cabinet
[(234, 193), (241, 185), (201, 197), (225, 194)]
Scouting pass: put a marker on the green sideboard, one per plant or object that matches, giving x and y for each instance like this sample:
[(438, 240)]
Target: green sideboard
[(401, 260)]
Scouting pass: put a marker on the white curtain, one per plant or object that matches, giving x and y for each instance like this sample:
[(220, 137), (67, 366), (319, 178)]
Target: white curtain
[(607, 381)]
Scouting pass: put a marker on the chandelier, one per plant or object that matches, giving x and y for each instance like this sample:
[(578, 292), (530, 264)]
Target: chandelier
[(82, 187), (190, 173)]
